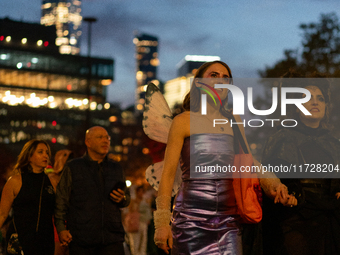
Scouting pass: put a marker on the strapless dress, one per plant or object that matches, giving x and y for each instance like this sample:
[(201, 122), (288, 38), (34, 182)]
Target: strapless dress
[(205, 219)]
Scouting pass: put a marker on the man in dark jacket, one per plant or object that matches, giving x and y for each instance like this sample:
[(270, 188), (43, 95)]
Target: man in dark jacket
[(88, 200)]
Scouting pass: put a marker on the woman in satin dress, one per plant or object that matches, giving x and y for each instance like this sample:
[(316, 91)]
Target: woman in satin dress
[(204, 219)]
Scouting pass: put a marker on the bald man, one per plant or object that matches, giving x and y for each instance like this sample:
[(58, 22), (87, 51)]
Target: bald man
[(89, 196)]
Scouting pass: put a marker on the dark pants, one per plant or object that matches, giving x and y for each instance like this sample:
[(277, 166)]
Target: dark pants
[(111, 249)]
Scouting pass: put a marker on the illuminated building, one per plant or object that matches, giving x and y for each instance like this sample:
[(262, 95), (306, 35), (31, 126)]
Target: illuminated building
[(44, 94), (176, 89), (147, 62), (65, 16)]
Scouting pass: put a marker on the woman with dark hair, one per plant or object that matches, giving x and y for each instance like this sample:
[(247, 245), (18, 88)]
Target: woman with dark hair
[(311, 227), (31, 195), (205, 218)]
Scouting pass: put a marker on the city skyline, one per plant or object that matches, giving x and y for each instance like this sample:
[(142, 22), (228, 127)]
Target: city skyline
[(246, 35)]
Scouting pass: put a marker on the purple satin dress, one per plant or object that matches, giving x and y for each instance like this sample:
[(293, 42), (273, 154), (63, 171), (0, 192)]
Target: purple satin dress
[(204, 218)]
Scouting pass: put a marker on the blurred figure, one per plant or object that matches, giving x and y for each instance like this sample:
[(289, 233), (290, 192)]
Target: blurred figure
[(89, 196), (139, 239), (60, 158), (31, 195)]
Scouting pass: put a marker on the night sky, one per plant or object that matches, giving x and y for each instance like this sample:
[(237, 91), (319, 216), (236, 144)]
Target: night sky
[(246, 34)]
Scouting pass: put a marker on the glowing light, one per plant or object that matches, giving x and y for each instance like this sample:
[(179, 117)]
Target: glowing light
[(8, 38), (19, 65), (200, 58), (107, 106), (99, 106), (50, 98), (69, 87), (24, 40), (128, 183), (2, 38), (85, 101), (113, 119), (139, 75), (3, 56), (145, 151), (29, 64), (139, 107), (34, 60), (46, 43), (53, 105), (53, 140), (106, 82), (54, 123), (93, 106), (39, 42)]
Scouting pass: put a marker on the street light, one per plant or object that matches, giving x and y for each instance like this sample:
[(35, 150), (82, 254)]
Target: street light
[(89, 20)]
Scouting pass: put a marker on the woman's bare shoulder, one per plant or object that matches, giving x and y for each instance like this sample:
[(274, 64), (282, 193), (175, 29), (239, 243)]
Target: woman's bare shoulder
[(182, 117), (15, 180)]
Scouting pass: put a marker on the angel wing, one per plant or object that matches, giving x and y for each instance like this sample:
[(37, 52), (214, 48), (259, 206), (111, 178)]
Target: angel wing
[(157, 116), (157, 119)]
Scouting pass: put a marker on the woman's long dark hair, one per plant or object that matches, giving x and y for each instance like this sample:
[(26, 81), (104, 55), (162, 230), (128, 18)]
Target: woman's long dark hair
[(192, 101)]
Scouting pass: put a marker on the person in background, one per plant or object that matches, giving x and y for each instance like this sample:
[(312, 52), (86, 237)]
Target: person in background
[(313, 226), (89, 196), (139, 239), (31, 195), (60, 159)]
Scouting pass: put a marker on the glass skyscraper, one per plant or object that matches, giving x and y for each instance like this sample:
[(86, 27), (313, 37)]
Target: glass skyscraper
[(65, 15)]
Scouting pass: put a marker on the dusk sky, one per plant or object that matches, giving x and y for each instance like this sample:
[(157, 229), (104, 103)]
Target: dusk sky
[(246, 34)]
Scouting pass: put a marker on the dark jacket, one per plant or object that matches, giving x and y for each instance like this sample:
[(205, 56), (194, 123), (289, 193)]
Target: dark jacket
[(83, 203)]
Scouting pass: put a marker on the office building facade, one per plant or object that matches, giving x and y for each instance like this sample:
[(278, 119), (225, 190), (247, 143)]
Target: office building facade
[(146, 65)]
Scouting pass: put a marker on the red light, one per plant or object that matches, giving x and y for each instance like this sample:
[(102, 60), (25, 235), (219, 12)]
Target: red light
[(29, 64), (54, 140), (2, 38), (69, 87), (46, 43), (54, 123)]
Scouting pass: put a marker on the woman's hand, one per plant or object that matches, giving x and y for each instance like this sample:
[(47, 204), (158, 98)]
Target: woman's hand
[(283, 197), (280, 193), (163, 237), (65, 237)]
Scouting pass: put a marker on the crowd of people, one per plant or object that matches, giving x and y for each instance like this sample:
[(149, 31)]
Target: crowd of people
[(77, 207)]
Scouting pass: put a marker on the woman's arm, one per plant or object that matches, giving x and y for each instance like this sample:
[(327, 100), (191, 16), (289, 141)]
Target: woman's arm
[(9, 193), (180, 128), (270, 184)]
